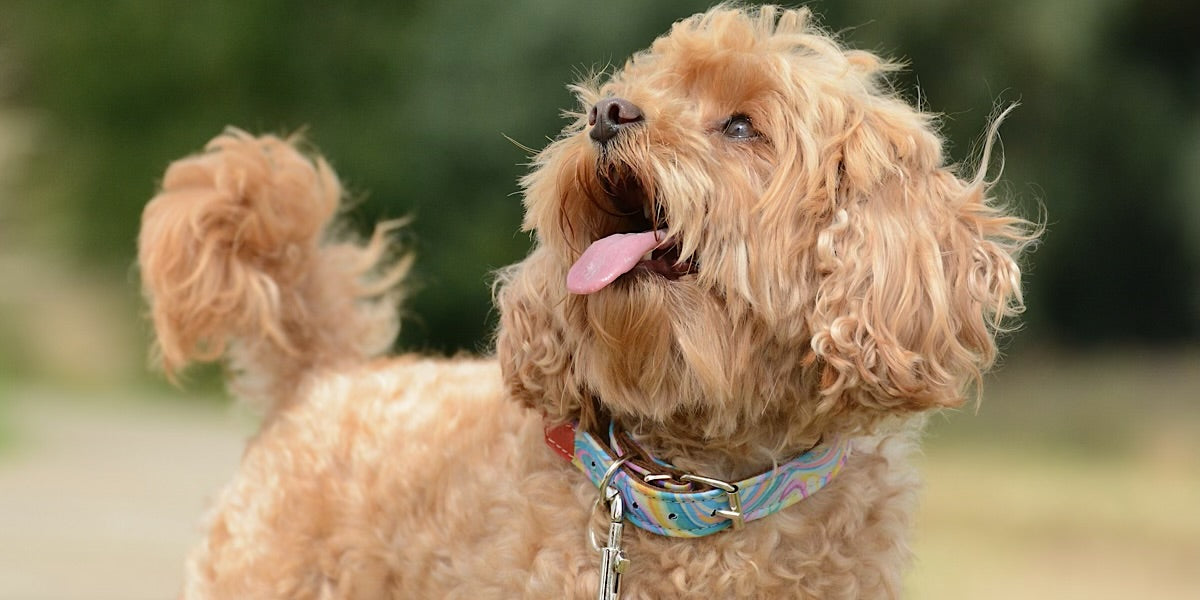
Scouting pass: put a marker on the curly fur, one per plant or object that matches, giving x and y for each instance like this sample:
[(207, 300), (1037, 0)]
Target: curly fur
[(230, 250), (849, 281)]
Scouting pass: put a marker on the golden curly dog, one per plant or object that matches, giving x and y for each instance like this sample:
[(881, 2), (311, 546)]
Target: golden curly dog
[(799, 271)]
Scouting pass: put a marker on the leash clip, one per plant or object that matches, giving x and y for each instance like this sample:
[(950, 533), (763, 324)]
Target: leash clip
[(612, 558)]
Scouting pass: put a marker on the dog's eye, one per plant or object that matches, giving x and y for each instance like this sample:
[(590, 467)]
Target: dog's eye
[(738, 127)]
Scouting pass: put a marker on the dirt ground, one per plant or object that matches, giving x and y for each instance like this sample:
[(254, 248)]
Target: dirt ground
[(100, 498)]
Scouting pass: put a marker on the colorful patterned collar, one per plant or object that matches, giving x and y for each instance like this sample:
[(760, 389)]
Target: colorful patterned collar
[(661, 499)]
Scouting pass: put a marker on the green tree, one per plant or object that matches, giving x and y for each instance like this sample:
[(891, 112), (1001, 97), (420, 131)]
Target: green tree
[(412, 102)]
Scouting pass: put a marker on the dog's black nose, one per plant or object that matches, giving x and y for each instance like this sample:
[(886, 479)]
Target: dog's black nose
[(610, 115)]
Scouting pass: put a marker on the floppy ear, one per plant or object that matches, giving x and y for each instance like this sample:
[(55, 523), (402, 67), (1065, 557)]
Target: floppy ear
[(918, 270), (535, 357)]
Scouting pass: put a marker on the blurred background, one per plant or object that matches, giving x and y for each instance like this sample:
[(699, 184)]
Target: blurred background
[(1078, 476)]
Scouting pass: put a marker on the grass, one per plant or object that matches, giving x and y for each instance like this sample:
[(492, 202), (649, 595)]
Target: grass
[(7, 433), (1077, 478), (1005, 523), (1099, 405)]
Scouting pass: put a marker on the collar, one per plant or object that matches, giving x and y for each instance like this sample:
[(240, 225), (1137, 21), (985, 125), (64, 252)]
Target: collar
[(664, 500)]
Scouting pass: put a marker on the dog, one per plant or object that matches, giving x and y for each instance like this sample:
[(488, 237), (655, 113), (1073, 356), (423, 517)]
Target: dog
[(752, 275)]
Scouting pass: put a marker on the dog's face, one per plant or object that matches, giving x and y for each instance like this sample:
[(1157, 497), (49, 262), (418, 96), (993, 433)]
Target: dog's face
[(741, 229)]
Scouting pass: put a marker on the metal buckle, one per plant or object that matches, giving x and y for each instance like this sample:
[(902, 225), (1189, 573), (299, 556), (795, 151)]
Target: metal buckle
[(732, 494), (613, 562), (608, 493), (667, 482)]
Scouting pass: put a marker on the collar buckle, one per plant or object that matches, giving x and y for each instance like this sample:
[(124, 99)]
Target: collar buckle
[(732, 495)]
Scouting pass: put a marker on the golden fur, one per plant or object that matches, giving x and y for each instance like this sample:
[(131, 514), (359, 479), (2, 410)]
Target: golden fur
[(848, 281)]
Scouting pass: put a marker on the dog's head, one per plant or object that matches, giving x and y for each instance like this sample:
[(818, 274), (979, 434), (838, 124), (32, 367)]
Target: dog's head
[(744, 228)]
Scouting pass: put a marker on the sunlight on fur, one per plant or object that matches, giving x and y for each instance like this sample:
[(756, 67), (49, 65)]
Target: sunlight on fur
[(821, 273)]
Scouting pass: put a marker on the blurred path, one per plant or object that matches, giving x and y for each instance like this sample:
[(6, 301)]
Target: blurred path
[(101, 498), (998, 523)]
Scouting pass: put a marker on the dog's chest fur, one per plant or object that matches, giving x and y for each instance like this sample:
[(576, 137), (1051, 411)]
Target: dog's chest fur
[(417, 479)]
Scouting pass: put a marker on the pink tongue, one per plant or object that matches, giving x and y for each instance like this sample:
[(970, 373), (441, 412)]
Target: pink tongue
[(609, 258)]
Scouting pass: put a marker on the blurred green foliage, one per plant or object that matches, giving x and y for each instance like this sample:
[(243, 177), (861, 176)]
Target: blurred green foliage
[(412, 102)]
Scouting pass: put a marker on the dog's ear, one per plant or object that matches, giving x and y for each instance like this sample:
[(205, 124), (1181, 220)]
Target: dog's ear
[(917, 270), (535, 356)]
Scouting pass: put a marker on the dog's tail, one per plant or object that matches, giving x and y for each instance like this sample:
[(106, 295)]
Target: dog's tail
[(236, 262)]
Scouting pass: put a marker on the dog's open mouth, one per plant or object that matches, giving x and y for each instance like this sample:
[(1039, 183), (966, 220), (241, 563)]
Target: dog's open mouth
[(640, 241)]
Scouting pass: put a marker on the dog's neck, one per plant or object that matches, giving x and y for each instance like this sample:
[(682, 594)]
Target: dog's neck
[(733, 457)]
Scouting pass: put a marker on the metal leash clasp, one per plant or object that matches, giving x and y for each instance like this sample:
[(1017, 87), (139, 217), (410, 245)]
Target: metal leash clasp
[(612, 558)]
